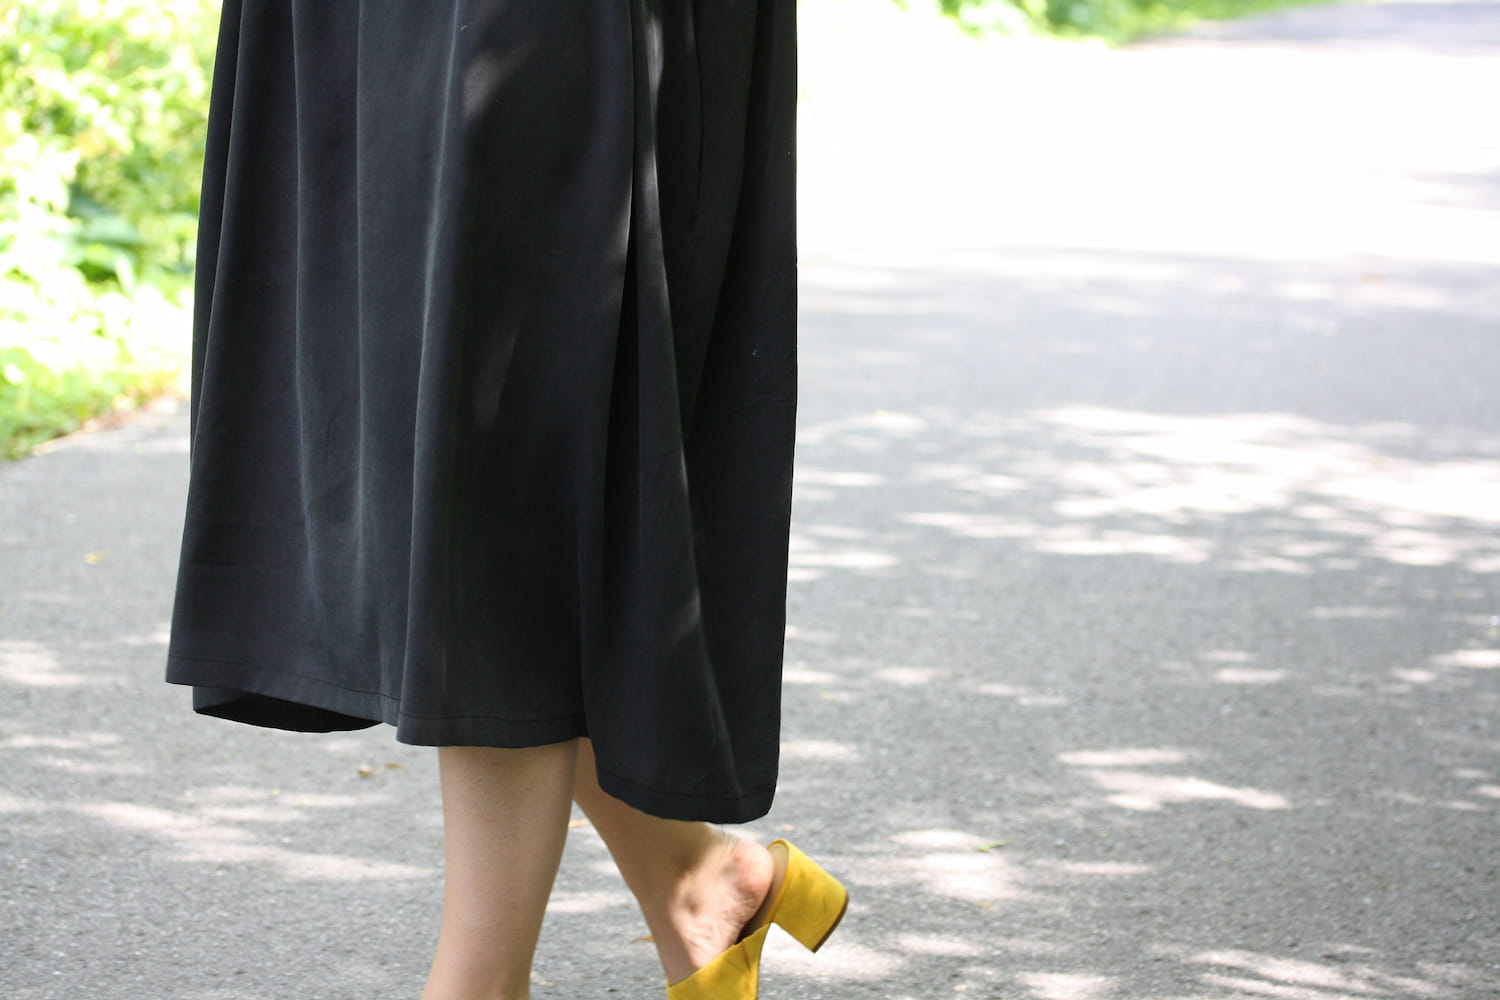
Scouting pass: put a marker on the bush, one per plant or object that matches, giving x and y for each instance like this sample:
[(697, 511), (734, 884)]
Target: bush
[(1111, 20), (102, 108)]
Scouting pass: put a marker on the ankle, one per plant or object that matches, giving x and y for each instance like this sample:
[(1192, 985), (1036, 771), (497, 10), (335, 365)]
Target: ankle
[(728, 867), (754, 873), (708, 904)]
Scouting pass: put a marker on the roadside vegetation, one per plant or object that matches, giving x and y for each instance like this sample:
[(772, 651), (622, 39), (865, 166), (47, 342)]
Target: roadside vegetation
[(102, 106), (1112, 21), (102, 112)]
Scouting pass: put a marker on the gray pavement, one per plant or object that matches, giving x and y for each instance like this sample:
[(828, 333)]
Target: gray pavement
[(1146, 558)]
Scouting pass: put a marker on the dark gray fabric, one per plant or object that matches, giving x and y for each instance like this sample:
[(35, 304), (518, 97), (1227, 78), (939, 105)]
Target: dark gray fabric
[(494, 382)]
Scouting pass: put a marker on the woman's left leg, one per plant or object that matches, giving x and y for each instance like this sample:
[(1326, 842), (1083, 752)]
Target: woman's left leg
[(698, 886), (505, 819)]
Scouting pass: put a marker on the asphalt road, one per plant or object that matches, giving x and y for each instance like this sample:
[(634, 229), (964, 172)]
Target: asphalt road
[(1145, 575)]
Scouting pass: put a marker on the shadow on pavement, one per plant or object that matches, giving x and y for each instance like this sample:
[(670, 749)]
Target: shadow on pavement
[(1147, 642), (1143, 602)]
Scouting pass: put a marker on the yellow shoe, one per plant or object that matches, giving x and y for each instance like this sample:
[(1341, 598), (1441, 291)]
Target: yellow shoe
[(808, 905)]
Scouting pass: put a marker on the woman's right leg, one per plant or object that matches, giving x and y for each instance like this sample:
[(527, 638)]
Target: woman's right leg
[(697, 885), (505, 818)]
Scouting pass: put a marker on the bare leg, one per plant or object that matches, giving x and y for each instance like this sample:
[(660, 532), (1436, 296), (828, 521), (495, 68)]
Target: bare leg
[(505, 818), (697, 885)]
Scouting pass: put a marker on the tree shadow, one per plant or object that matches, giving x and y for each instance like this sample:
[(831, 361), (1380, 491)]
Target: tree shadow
[(1143, 627), (1141, 647), (149, 852)]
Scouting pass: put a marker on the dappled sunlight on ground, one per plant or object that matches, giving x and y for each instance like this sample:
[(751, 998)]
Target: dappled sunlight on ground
[(1066, 986), (1099, 482), (33, 665), (199, 840), (1146, 791), (136, 836), (1166, 586), (1350, 979), (1144, 635)]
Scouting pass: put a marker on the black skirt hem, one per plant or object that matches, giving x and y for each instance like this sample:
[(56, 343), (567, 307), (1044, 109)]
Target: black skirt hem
[(296, 703), (670, 805)]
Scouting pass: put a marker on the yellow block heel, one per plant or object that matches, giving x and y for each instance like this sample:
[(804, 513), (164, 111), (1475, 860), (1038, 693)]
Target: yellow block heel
[(809, 904)]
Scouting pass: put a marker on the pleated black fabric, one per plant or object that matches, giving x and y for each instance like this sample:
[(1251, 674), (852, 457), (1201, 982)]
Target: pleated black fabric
[(494, 382)]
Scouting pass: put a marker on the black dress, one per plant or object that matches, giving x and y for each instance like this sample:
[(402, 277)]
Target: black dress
[(494, 382)]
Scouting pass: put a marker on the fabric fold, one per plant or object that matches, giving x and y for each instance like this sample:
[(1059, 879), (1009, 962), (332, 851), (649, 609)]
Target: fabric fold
[(494, 382)]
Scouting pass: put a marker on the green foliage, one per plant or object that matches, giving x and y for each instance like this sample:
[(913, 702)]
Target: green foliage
[(1114, 21), (102, 108)]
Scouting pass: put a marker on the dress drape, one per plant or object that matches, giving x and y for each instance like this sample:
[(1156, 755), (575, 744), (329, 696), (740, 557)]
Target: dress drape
[(494, 382)]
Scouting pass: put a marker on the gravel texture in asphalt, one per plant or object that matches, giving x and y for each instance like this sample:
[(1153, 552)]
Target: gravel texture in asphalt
[(1145, 582)]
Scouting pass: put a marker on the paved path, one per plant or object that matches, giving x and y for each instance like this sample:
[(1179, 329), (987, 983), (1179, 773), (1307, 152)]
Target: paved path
[(1143, 576)]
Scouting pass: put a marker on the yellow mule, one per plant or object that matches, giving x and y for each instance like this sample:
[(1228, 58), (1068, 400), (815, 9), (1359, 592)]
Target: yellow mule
[(809, 904)]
